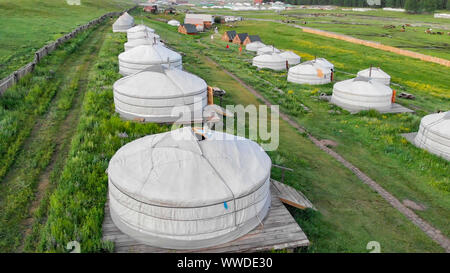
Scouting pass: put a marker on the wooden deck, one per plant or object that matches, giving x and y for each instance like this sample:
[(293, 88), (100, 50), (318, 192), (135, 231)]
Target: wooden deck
[(395, 108), (291, 196), (279, 231)]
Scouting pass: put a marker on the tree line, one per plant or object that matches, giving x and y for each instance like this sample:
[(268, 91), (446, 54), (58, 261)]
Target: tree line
[(413, 6)]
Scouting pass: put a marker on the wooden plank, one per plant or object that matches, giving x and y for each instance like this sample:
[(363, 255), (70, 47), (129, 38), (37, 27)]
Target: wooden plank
[(279, 230), (291, 196)]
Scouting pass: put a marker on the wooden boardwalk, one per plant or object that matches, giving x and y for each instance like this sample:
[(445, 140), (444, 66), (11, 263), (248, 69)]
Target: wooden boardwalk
[(279, 231)]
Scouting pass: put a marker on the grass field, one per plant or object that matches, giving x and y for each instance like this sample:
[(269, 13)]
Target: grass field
[(369, 25), (369, 140), (27, 25), (59, 131)]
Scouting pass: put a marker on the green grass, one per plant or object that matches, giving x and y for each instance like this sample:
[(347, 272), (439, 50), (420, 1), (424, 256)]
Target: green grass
[(27, 25), (76, 207), (19, 185), (369, 26), (369, 140)]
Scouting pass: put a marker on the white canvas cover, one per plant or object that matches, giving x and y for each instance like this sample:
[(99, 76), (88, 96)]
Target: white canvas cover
[(141, 32), (161, 95), (123, 23), (362, 94), (291, 57), (144, 41), (267, 50), (377, 74), (174, 23), (309, 73), (325, 63), (173, 190), (271, 61), (434, 134), (145, 56), (254, 46)]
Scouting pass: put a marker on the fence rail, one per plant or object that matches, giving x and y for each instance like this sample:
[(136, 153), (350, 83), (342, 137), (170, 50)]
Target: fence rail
[(15, 76)]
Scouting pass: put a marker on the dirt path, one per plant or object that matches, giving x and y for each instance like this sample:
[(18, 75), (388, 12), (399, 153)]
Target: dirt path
[(49, 139), (347, 38), (428, 229)]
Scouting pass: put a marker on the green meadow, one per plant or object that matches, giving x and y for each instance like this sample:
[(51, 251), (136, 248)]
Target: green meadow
[(59, 130), (27, 25), (369, 25)]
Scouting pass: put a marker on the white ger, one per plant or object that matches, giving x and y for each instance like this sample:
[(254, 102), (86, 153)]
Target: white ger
[(145, 56), (309, 72), (434, 134), (377, 74), (362, 94), (270, 61), (123, 23), (187, 190), (161, 95)]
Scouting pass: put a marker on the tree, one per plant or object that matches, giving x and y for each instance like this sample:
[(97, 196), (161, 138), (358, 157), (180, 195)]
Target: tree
[(428, 5), (412, 6)]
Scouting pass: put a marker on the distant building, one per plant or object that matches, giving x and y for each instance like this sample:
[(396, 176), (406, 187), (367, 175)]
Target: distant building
[(228, 36), (240, 38), (188, 29), (151, 9), (191, 17), (251, 39)]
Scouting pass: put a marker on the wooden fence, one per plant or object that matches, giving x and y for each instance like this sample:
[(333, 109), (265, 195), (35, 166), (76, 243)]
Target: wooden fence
[(14, 77)]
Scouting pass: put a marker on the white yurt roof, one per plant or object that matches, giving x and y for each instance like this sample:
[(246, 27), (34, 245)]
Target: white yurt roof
[(434, 134), (140, 28), (325, 63), (271, 61), (267, 50), (254, 46), (123, 23), (141, 32), (153, 94), (175, 190), (144, 56), (173, 23), (291, 57), (375, 73), (309, 73), (362, 94), (137, 42)]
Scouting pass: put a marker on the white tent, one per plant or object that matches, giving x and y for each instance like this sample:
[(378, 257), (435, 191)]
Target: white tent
[(254, 46), (267, 50), (174, 23), (291, 57), (362, 94), (324, 63), (141, 32), (137, 42), (161, 95), (434, 134), (309, 73), (174, 190), (271, 61), (377, 74), (145, 56), (123, 23)]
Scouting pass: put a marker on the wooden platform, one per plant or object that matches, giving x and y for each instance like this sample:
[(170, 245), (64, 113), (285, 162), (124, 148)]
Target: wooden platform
[(291, 196), (395, 109), (279, 231)]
